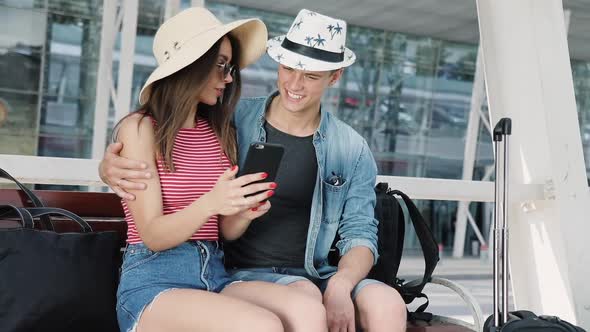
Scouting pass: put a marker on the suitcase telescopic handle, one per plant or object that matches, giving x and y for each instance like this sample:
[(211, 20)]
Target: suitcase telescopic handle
[(502, 128)]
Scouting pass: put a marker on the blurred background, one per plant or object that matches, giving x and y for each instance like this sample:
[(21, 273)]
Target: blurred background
[(408, 94)]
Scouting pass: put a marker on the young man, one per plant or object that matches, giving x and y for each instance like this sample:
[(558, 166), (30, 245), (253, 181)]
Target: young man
[(325, 186)]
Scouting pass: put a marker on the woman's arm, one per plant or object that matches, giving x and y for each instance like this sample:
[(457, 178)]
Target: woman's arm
[(157, 231), (232, 227)]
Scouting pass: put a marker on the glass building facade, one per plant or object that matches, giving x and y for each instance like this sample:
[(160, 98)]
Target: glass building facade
[(409, 96)]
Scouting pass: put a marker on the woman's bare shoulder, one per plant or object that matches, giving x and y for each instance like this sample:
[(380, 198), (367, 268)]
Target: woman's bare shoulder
[(136, 126)]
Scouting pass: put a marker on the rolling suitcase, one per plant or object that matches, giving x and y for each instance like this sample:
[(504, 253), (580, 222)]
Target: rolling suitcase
[(501, 320)]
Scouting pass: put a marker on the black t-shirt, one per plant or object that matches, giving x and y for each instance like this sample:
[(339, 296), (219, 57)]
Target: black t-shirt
[(278, 238)]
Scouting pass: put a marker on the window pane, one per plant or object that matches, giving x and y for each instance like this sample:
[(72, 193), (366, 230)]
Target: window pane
[(581, 76), (23, 3), (18, 123), (86, 8), (22, 34)]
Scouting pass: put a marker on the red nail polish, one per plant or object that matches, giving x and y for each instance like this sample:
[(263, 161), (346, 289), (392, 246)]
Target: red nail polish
[(264, 175), (270, 193), (273, 185), (233, 168), (254, 209)]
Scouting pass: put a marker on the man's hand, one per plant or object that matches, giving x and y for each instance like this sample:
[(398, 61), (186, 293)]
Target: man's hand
[(118, 172), (339, 306)]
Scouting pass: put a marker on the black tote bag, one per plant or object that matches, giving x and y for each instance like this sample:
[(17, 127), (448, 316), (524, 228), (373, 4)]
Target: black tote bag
[(56, 281)]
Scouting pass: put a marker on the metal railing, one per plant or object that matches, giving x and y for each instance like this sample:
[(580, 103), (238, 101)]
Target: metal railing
[(71, 171)]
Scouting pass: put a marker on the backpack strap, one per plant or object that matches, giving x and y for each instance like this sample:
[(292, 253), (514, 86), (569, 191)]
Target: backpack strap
[(382, 187), (391, 232), (419, 316), (428, 244)]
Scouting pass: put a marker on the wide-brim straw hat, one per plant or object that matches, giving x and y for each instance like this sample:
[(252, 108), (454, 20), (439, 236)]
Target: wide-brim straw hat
[(187, 36), (315, 42)]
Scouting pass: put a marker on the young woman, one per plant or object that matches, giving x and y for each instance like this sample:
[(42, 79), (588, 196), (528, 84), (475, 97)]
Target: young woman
[(173, 271)]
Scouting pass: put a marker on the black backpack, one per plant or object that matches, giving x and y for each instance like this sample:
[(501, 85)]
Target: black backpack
[(391, 231)]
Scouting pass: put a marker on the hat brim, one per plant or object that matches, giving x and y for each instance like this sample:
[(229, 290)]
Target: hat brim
[(251, 35), (302, 62)]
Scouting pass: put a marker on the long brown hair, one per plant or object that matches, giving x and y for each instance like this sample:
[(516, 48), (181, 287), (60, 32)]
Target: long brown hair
[(172, 98)]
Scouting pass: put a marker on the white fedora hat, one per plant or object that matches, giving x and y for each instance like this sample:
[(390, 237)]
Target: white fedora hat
[(315, 42), (187, 36)]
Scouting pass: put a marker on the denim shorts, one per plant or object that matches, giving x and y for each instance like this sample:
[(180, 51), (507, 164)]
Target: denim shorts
[(145, 274), (285, 276)]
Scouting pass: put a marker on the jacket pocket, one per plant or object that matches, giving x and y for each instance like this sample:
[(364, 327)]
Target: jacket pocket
[(333, 201)]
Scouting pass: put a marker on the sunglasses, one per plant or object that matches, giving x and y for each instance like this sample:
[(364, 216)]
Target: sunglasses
[(226, 68)]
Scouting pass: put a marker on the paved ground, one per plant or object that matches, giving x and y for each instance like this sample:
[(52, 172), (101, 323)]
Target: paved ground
[(472, 273)]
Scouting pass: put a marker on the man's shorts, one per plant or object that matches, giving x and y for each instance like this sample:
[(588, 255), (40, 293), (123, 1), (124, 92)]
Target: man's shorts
[(286, 276)]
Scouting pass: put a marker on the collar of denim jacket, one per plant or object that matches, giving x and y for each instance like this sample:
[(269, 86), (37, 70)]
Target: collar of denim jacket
[(319, 132)]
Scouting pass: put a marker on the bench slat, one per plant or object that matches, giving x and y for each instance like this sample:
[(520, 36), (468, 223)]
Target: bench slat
[(84, 204), (103, 211)]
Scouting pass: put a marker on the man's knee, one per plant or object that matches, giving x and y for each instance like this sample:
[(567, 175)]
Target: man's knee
[(306, 309), (379, 304), (308, 288)]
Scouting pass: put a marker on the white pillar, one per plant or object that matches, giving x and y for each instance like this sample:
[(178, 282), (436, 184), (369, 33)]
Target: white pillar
[(198, 3), (567, 17), (126, 55), (172, 8), (104, 79), (477, 100), (529, 79), (105, 92)]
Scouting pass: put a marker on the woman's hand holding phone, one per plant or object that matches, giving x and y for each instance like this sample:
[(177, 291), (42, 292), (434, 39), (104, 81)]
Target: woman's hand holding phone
[(255, 212), (232, 195)]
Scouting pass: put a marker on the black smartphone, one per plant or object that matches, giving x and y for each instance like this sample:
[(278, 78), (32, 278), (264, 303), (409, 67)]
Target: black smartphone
[(263, 157)]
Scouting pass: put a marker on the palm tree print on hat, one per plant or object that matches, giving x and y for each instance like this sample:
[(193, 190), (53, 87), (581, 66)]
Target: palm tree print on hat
[(298, 24), (279, 57), (334, 30), (300, 64), (308, 40), (310, 13), (319, 41)]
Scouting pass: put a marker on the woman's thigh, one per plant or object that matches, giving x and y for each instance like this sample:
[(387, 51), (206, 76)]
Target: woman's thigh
[(146, 275), (197, 310)]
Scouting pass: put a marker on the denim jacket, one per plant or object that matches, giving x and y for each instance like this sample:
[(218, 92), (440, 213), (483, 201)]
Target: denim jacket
[(343, 198)]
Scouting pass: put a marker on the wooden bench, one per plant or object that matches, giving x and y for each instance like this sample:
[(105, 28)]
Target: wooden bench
[(103, 212)]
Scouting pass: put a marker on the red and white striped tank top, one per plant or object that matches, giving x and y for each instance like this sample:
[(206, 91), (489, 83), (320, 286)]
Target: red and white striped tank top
[(198, 161)]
